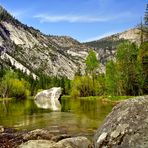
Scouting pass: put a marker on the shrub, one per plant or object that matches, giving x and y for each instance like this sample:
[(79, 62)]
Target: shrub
[(11, 86), (82, 86)]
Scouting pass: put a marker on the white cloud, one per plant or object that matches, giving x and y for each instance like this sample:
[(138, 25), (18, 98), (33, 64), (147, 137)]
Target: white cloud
[(80, 18), (68, 18)]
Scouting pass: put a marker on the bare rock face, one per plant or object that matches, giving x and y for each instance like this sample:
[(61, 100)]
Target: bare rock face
[(49, 54), (48, 99), (131, 35), (126, 126)]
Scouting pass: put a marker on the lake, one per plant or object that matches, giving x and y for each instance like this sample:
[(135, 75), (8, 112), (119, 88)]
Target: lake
[(78, 116)]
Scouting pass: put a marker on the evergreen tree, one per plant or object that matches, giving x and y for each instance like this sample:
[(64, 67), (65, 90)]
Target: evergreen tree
[(143, 27), (146, 16), (143, 68)]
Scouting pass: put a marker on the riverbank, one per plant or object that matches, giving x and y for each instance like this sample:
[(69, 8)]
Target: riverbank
[(110, 99), (10, 137)]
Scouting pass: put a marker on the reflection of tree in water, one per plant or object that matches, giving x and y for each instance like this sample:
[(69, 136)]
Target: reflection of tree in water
[(89, 108), (95, 109), (5, 106)]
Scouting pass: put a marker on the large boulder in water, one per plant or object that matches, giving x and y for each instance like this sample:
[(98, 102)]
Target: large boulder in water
[(126, 126), (48, 99)]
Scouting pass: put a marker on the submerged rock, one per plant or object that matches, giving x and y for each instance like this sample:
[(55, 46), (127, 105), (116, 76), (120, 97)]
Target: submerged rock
[(37, 134), (48, 99), (76, 142), (1, 129), (12, 138), (44, 134), (126, 126)]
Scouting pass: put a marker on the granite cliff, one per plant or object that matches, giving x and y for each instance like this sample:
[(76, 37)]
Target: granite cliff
[(33, 52)]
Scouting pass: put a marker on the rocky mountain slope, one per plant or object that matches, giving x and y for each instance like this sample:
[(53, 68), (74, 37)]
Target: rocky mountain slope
[(132, 35), (35, 53), (31, 51), (106, 47)]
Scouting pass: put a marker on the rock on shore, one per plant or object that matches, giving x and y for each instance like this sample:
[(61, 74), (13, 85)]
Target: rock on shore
[(76, 142), (126, 126), (42, 138)]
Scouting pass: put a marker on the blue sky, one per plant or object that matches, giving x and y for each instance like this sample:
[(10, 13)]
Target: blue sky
[(83, 20)]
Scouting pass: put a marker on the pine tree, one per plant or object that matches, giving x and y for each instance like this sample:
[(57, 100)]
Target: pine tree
[(146, 16), (143, 27), (145, 30)]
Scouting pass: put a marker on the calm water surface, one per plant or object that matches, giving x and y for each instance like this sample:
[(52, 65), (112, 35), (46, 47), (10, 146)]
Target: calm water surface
[(77, 116)]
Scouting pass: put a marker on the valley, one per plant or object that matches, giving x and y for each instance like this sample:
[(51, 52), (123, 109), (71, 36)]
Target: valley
[(56, 91)]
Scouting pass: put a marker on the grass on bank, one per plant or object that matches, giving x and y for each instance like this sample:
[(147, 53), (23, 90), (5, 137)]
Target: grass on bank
[(109, 98)]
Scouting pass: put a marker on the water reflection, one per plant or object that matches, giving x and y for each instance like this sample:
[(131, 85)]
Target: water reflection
[(78, 115)]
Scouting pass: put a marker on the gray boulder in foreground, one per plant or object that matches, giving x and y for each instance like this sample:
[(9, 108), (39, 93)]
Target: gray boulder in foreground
[(76, 142), (37, 144), (126, 126), (48, 99)]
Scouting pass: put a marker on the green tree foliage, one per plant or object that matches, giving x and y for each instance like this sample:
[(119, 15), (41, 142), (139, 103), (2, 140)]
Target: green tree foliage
[(128, 75), (143, 27), (111, 79), (33, 85), (143, 67), (91, 63), (88, 85), (111, 43), (100, 88), (11, 86), (126, 66), (146, 16), (82, 86), (46, 82)]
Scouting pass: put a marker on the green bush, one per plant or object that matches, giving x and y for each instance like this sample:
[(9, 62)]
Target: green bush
[(83, 86), (11, 86)]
